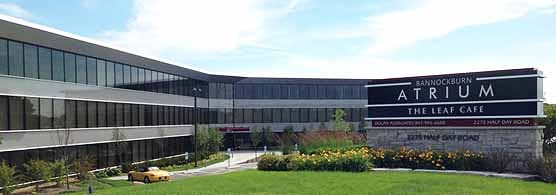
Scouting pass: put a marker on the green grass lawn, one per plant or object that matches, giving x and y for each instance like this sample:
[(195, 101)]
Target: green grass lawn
[(258, 182)]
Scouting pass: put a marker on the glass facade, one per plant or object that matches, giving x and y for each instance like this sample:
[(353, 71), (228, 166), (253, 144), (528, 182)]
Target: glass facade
[(27, 60), (44, 113), (37, 62)]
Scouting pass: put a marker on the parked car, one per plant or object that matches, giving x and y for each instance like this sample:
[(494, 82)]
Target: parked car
[(148, 175)]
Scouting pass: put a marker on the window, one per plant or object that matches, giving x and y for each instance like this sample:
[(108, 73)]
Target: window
[(238, 115), (148, 115), (294, 115), (133, 81), (45, 63), (58, 114), (220, 116), (31, 61), (110, 115), (46, 113), (322, 115), (163, 79), (304, 115), (119, 115), (167, 116), (15, 58), (258, 115), (81, 64), (294, 92), (313, 92), (141, 79), (101, 73), (154, 115), (161, 119), (141, 112), (148, 80), (110, 74), (267, 115), (3, 112), (134, 115), (276, 115), (127, 115), (286, 115), (71, 113), (32, 113), (313, 115), (322, 92), (91, 114), (81, 114), (248, 115), (58, 66), (127, 76), (69, 63), (3, 57), (16, 113), (119, 75), (91, 71)]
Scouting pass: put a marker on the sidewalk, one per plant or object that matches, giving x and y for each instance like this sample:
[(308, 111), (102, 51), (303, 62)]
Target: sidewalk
[(235, 163)]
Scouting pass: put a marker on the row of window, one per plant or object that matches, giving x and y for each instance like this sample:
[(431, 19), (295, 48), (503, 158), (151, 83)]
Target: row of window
[(282, 115), (18, 113), (286, 91), (26, 60), (105, 154)]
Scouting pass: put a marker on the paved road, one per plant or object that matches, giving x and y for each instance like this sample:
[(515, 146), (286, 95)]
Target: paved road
[(235, 163)]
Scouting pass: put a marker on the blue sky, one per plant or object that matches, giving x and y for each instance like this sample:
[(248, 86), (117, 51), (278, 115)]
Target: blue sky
[(309, 38)]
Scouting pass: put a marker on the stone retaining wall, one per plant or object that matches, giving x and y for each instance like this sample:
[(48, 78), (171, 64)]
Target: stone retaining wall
[(521, 143)]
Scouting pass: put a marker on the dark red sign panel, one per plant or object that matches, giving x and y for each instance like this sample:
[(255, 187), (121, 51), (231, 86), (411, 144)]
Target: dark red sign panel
[(456, 123)]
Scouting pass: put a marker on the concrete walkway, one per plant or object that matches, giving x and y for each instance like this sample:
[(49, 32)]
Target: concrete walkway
[(238, 161)]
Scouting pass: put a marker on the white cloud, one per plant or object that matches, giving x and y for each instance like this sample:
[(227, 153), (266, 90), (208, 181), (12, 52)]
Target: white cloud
[(179, 27), (14, 10), (436, 18)]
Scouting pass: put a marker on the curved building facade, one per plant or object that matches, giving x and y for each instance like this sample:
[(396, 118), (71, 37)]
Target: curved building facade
[(60, 91)]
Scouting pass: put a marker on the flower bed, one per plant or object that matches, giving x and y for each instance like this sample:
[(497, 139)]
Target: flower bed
[(364, 158)]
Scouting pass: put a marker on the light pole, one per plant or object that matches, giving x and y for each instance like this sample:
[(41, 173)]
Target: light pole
[(196, 90)]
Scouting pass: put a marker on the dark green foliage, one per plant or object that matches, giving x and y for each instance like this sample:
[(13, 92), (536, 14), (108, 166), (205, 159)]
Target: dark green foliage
[(126, 167), (544, 168), (209, 141), (550, 130), (35, 170), (7, 177), (59, 170)]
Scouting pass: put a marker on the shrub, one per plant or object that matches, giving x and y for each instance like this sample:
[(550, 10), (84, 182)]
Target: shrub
[(59, 171), (498, 160), (101, 174), (544, 168), (35, 170), (113, 172), (82, 166), (352, 161), (7, 177), (312, 142), (209, 141), (126, 167), (426, 159), (268, 162)]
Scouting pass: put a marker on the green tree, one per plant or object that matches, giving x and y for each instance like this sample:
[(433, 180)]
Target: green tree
[(266, 136), (340, 123), (7, 177), (256, 137), (209, 141), (550, 130), (36, 170), (59, 170), (83, 165)]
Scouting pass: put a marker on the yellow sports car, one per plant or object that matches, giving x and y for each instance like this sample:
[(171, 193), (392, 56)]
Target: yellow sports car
[(148, 175)]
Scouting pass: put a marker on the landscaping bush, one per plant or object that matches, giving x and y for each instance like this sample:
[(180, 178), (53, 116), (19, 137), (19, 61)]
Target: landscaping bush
[(35, 170), (426, 159), (544, 168), (312, 142), (101, 174), (113, 172), (59, 171), (126, 167), (7, 177), (353, 161)]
